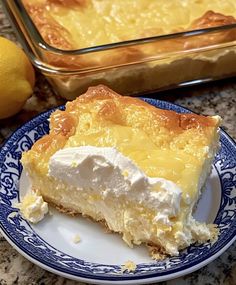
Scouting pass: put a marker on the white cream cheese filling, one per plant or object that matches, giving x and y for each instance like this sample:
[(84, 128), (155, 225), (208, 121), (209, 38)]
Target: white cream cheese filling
[(108, 172)]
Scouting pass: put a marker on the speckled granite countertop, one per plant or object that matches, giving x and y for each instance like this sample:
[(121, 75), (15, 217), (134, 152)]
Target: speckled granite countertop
[(215, 98)]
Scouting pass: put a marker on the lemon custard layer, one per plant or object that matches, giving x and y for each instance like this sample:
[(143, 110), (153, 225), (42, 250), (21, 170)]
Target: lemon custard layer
[(156, 158)]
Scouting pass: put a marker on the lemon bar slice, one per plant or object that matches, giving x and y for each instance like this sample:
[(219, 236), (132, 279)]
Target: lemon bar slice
[(122, 162)]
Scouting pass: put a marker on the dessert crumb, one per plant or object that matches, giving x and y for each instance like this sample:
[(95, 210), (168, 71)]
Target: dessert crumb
[(214, 233), (32, 207), (76, 239), (128, 266)]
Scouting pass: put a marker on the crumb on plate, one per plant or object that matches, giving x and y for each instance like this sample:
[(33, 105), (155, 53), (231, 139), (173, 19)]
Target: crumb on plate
[(76, 239), (128, 266)]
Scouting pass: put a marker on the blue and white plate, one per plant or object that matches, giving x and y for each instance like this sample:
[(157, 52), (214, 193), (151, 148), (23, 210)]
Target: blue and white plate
[(98, 257)]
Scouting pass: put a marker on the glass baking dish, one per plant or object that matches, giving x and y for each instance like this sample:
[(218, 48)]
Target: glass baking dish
[(157, 63)]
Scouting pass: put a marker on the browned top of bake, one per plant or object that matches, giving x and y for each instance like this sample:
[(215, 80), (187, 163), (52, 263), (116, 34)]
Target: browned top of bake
[(106, 106), (55, 31), (115, 103)]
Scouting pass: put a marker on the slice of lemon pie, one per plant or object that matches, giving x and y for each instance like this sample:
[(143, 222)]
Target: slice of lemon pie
[(123, 162)]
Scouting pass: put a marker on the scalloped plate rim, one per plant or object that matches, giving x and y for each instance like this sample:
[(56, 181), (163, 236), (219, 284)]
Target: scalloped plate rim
[(146, 278)]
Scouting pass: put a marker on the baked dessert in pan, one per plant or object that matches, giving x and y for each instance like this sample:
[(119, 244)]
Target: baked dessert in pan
[(124, 163), (71, 25), (161, 64)]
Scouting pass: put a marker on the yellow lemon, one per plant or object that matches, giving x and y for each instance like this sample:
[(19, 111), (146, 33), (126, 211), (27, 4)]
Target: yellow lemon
[(17, 78)]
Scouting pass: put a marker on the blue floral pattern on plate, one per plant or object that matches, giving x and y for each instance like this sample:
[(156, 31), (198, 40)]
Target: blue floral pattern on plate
[(20, 233)]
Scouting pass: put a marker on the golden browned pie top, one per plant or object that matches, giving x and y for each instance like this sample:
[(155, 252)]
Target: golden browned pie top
[(75, 24), (104, 106), (85, 23)]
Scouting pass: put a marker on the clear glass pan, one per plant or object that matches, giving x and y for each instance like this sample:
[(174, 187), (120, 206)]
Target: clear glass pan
[(130, 67)]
